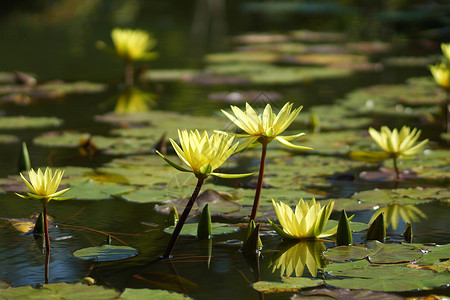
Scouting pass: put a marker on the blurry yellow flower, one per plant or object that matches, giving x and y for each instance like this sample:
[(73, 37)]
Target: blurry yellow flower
[(441, 73), (265, 127), (203, 153), (393, 211), (131, 44), (396, 143), (446, 50), (294, 259), (307, 222), (43, 186)]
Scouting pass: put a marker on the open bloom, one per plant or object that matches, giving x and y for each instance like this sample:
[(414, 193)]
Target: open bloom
[(203, 154), (43, 186), (294, 259), (131, 44), (307, 222), (265, 127), (396, 143), (441, 73)]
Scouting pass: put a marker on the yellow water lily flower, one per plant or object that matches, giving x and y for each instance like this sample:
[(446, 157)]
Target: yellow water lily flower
[(393, 211), (130, 44), (203, 153), (307, 222), (441, 74), (265, 127), (396, 143), (445, 47), (294, 259), (43, 186)]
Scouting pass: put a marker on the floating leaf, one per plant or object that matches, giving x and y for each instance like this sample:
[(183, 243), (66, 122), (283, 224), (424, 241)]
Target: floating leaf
[(148, 195), (347, 294), (436, 254), (22, 122), (385, 277), (168, 74), (289, 285), (92, 190), (216, 229), (346, 253), (8, 139), (401, 196), (392, 253), (144, 294), (60, 290), (105, 253)]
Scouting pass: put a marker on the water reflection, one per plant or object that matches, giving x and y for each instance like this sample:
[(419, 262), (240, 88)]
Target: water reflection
[(393, 211), (292, 258), (134, 100)]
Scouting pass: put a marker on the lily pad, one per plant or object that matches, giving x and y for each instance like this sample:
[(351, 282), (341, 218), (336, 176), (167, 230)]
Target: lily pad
[(22, 122), (346, 253), (168, 74), (290, 284), (92, 190), (144, 294), (8, 139), (402, 196), (347, 294), (148, 195), (217, 229), (105, 253), (60, 290), (436, 254)]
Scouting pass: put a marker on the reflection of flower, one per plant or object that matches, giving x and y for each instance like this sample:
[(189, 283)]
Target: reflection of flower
[(295, 257), (134, 100), (266, 126), (392, 212), (441, 74), (308, 221), (203, 153), (44, 185), (398, 144)]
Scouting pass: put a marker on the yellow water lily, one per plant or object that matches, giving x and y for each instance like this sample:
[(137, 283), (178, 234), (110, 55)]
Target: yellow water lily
[(393, 211), (441, 74), (265, 127), (203, 153), (445, 47), (44, 185), (397, 143), (130, 44), (307, 222), (294, 259)]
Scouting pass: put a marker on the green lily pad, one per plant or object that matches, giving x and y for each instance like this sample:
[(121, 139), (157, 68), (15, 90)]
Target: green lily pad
[(105, 253), (346, 294), (191, 229), (22, 122), (168, 74), (346, 253), (144, 294), (435, 255), (60, 290), (402, 196), (148, 195), (290, 284), (92, 190), (385, 277)]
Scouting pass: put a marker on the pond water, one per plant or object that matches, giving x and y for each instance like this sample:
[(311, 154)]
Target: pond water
[(56, 40)]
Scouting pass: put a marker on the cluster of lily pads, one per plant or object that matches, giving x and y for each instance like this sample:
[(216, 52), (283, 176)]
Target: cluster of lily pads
[(203, 153)]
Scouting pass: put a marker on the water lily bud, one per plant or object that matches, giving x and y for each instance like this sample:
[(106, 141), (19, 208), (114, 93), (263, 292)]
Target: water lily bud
[(204, 229)]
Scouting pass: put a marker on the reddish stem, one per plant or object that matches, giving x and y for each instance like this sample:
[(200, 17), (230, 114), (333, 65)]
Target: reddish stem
[(397, 172), (262, 164), (129, 74), (47, 237), (182, 219)]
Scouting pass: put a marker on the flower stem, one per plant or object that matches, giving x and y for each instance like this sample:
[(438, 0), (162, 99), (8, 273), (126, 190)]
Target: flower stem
[(397, 172), (262, 164), (129, 74), (182, 219), (44, 216)]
